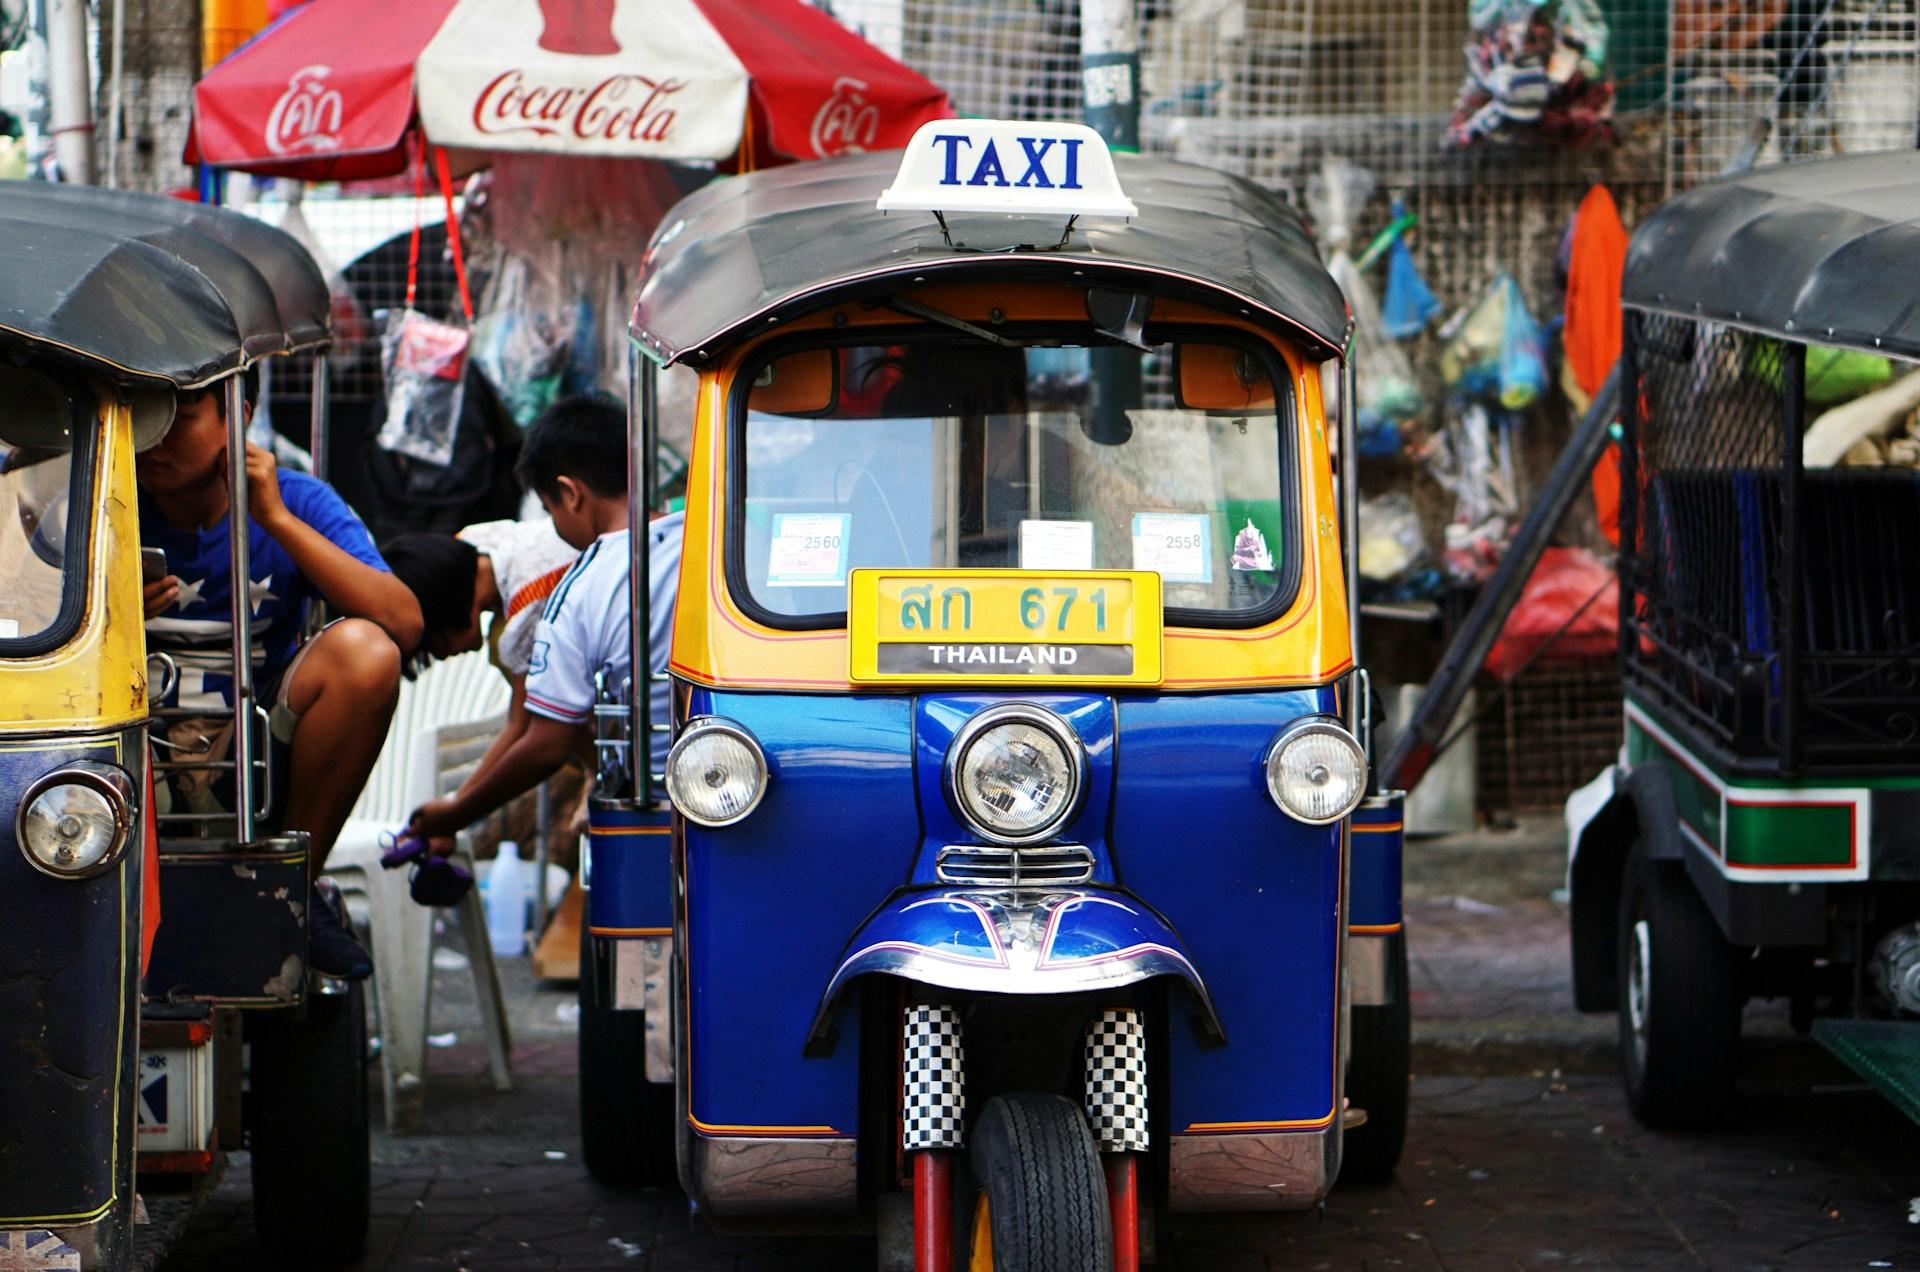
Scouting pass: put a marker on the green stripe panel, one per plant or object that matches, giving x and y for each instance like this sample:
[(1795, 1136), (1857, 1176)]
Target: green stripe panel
[(1694, 800), (1884, 1052), (1789, 835)]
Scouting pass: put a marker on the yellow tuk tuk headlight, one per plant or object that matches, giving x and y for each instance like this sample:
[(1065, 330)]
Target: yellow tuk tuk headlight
[(1316, 772), (75, 822), (716, 772), (1015, 773)]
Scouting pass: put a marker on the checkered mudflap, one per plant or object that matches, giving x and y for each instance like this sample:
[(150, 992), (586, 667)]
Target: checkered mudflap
[(1117, 1081), (933, 1093)]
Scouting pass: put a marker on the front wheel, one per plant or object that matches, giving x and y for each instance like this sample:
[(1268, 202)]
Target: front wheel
[(312, 1175), (1680, 1000), (1043, 1188)]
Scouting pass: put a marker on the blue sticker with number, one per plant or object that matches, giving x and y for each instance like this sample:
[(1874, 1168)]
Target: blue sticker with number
[(809, 549), (1178, 546)]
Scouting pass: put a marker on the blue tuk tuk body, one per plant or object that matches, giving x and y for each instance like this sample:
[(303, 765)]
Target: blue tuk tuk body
[(862, 974)]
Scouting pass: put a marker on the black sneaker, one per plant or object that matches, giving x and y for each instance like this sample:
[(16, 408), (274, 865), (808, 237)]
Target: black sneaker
[(332, 947)]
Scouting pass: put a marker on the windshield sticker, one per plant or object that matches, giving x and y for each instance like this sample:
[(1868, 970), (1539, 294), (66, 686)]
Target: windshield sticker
[(1250, 549), (809, 549), (1056, 545), (1174, 545)]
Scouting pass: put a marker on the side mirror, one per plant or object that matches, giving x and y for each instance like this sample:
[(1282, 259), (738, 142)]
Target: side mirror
[(802, 383), (1220, 378)]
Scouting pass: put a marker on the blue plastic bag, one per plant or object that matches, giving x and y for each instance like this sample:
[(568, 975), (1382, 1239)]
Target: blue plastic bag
[(1523, 352), (1409, 304)]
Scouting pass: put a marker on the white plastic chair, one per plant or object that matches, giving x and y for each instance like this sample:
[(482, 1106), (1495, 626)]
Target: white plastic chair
[(444, 722)]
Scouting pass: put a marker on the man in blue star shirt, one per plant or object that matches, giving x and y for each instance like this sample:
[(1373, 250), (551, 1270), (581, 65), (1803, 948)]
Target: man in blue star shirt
[(331, 698)]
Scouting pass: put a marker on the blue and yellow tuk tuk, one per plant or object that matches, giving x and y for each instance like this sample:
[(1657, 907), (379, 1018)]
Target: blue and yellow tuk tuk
[(1021, 880), (133, 1043)]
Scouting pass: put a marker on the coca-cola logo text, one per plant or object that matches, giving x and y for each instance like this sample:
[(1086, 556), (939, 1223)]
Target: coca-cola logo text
[(846, 122), (307, 116), (618, 108)]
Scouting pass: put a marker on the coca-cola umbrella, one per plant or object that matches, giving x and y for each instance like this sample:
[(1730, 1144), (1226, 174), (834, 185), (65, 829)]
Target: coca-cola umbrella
[(337, 89)]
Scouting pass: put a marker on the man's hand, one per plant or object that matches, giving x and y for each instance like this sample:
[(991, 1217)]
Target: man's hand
[(436, 819), (264, 504), (161, 595)]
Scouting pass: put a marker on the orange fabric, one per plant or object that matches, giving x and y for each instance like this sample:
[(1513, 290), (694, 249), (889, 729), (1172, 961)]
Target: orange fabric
[(538, 590), (149, 877), (1592, 335)]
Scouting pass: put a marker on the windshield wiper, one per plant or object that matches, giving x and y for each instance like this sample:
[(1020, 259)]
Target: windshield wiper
[(914, 309)]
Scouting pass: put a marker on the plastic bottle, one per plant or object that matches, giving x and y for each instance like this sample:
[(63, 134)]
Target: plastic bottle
[(507, 901)]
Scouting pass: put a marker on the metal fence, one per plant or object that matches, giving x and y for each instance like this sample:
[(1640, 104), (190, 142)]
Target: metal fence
[(1720, 576), (1268, 88)]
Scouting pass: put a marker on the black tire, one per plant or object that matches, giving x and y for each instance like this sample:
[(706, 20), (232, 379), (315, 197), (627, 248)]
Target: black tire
[(1378, 1070), (626, 1122), (1035, 1158), (1680, 1000), (312, 1174)]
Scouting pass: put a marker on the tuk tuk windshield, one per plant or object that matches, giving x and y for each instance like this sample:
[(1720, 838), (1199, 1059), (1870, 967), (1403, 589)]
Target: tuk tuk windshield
[(953, 453), (38, 467)]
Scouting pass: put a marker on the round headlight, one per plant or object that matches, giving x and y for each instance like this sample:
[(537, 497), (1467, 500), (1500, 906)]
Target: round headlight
[(74, 821), (716, 772), (1015, 773), (1316, 772)]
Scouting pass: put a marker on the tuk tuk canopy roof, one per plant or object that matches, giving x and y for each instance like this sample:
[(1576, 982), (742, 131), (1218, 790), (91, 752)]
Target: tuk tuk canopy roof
[(143, 286), (749, 251), (1819, 252)]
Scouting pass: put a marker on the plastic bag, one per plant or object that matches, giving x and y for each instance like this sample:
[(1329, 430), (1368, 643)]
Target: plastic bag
[(1572, 601), (522, 346), (1833, 375), (1523, 354), (1410, 304), (1390, 543), (425, 363), (1495, 350), (1335, 196), (1386, 386), (1472, 459)]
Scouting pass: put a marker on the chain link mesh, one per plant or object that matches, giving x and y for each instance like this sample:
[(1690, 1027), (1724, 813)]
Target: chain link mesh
[(1710, 611)]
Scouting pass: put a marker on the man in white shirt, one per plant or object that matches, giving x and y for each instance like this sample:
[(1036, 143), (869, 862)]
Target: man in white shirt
[(575, 461)]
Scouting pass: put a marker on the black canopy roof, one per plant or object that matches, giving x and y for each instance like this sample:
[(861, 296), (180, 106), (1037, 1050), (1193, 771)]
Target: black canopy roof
[(756, 249), (151, 287), (1825, 252)]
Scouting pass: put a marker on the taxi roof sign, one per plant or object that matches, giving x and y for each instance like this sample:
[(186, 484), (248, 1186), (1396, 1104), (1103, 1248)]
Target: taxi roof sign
[(999, 165)]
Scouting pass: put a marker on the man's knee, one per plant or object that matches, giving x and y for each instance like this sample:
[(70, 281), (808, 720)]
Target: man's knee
[(352, 655)]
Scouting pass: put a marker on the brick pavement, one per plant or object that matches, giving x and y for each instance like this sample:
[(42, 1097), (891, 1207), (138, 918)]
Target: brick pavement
[(1509, 1164)]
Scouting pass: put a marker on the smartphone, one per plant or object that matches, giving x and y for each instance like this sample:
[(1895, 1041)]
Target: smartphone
[(153, 564)]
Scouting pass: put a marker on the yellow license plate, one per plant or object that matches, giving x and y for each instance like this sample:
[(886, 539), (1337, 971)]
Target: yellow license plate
[(1079, 627)]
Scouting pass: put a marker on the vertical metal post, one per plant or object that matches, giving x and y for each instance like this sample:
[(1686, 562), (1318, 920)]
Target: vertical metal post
[(1350, 523), (1629, 515), (114, 80), (542, 817), (1792, 428), (1110, 96), (1110, 71), (640, 477), (69, 94), (318, 404), (239, 569)]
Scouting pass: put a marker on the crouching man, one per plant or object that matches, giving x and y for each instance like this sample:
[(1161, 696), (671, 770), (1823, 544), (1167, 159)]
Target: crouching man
[(331, 698)]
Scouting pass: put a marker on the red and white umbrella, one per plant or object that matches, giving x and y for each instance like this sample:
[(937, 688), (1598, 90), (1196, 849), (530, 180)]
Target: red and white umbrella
[(336, 89)]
